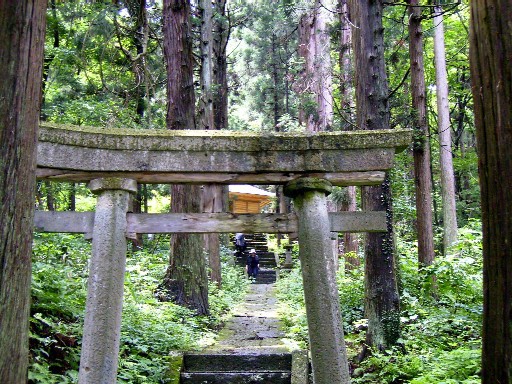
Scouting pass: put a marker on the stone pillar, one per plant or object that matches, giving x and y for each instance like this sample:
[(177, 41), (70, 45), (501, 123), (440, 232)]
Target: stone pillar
[(327, 344), (102, 325)]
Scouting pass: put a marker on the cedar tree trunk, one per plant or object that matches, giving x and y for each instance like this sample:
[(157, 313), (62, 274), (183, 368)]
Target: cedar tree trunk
[(186, 280), (491, 77), (445, 141), (381, 292), (22, 27), (421, 145)]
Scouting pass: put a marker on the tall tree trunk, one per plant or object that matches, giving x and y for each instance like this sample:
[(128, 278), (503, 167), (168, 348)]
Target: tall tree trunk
[(421, 146), (186, 279), (275, 80), (381, 292), (316, 91), (221, 33), (491, 77), (350, 241), (445, 141), (22, 27), (136, 207), (346, 65), (138, 12), (213, 202), (50, 200), (206, 101), (72, 197), (212, 194), (220, 69)]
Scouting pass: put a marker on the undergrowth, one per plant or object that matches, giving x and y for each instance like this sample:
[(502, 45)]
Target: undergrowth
[(150, 329), (440, 318)]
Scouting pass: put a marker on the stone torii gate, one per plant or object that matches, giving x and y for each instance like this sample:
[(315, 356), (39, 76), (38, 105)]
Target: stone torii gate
[(114, 161)]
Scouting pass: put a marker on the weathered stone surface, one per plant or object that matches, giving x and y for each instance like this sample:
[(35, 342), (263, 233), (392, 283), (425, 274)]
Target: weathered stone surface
[(300, 367), (102, 324), (219, 140), (250, 348), (325, 327), (236, 378), (307, 184), (226, 362), (77, 152), (147, 177)]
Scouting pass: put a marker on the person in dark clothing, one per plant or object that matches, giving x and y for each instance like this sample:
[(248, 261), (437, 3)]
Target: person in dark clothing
[(240, 244), (253, 265)]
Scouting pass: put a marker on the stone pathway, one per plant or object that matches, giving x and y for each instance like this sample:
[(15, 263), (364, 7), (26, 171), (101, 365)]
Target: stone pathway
[(254, 327), (250, 349)]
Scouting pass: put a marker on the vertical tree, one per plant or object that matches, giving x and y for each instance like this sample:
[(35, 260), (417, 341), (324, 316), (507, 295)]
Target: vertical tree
[(445, 141), (211, 194), (221, 31), (490, 57), (186, 280), (206, 48), (347, 103), (421, 145), (314, 48), (381, 293), (22, 26)]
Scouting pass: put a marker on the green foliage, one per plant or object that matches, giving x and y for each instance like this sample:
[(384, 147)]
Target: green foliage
[(351, 294), (453, 367), (150, 331), (292, 310), (441, 314), (92, 73)]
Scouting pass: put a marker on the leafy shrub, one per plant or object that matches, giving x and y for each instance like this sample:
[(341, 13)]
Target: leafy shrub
[(150, 329), (454, 367)]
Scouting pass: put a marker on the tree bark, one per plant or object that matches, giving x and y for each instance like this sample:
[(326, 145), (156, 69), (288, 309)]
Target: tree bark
[(445, 141), (186, 280), (381, 292), (220, 68), (382, 302), (206, 101), (212, 194), (22, 27), (421, 145), (213, 202), (350, 242), (316, 89), (491, 77), (346, 65)]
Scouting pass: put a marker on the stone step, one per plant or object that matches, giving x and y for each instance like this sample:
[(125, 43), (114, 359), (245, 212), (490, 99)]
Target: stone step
[(220, 362), (222, 368), (263, 263), (235, 377), (266, 276)]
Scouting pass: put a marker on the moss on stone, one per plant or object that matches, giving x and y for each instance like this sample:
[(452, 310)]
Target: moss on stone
[(175, 365), (212, 140)]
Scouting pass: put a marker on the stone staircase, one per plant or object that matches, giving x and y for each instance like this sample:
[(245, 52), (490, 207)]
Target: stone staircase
[(249, 349), (228, 368), (267, 273)]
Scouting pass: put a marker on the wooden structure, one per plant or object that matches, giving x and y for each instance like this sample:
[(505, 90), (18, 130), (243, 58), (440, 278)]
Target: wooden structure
[(248, 199), (308, 164)]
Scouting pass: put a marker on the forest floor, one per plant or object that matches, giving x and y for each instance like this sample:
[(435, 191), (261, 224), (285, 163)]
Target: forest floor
[(254, 326)]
